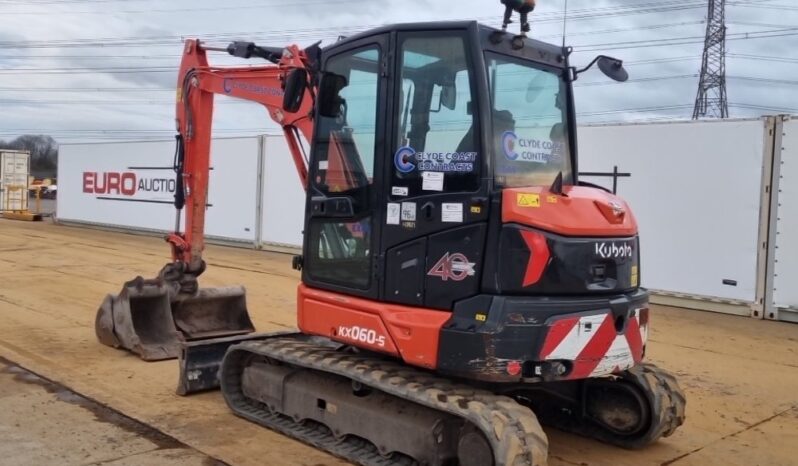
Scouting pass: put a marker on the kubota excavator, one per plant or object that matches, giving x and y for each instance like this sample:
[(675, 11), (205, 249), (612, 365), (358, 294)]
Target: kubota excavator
[(459, 282)]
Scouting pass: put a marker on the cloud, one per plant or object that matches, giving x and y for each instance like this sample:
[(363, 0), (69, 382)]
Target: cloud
[(83, 48)]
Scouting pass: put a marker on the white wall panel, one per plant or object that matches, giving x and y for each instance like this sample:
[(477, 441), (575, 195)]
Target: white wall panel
[(695, 190), (233, 189), (785, 268), (131, 185), (283, 196)]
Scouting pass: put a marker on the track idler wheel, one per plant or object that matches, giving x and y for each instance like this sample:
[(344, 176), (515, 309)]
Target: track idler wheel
[(634, 410)]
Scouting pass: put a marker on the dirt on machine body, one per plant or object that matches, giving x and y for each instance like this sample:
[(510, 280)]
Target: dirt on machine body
[(460, 284)]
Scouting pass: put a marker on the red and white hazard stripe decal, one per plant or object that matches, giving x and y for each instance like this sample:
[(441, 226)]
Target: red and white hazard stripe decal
[(593, 344)]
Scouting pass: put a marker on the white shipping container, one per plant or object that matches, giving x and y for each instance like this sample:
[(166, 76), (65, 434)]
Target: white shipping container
[(784, 302), (14, 173), (696, 192)]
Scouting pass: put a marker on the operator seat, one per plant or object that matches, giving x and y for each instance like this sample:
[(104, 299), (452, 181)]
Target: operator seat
[(503, 121)]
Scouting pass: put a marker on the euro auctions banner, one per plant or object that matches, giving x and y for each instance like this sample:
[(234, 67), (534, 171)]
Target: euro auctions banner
[(132, 185)]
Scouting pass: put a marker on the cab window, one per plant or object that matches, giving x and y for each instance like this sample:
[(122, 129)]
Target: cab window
[(437, 146)]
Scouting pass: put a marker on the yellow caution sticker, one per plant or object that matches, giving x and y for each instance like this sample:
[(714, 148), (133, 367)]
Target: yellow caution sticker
[(481, 317), (528, 200), (179, 94), (475, 209), (551, 199), (635, 276)]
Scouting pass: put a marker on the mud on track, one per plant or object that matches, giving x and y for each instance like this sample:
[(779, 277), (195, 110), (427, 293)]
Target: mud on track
[(740, 375)]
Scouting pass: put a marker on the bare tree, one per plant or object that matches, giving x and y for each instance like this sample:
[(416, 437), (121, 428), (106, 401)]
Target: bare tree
[(43, 152)]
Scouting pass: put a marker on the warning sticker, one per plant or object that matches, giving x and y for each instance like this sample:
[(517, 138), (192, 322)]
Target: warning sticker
[(393, 214), (528, 200), (635, 276), (400, 191), (408, 211), (451, 212), (432, 181), (551, 199)]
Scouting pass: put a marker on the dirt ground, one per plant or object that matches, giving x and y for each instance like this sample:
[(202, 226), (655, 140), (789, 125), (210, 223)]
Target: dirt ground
[(740, 375), (44, 424)]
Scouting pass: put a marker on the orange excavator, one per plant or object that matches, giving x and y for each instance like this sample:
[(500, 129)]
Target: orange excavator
[(460, 283)]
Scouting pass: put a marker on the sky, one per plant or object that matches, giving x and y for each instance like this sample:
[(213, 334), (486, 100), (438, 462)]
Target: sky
[(100, 70)]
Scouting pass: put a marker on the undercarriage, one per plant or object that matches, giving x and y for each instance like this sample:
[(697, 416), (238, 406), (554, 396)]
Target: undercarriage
[(371, 410)]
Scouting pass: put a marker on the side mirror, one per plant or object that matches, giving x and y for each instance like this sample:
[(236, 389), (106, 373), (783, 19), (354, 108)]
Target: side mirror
[(449, 96), (613, 68), (295, 85), (330, 101)]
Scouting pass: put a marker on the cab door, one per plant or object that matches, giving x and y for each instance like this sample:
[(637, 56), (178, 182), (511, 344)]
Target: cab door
[(436, 209), (343, 221)]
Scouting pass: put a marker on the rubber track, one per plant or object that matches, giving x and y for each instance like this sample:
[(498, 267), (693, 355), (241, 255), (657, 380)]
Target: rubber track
[(512, 430), (666, 400)]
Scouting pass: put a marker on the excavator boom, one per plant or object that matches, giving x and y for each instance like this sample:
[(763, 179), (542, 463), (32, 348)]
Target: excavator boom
[(152, 317)]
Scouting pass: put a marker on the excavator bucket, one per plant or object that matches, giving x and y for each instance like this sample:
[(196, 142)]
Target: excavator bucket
[(152, 319), (212, 313)]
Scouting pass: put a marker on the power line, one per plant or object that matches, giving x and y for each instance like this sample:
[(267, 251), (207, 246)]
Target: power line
[(763, 58), (769, 7), (574, 15), (195, 9), (334, 34), (765, 108), (765, 80), (584, 48)]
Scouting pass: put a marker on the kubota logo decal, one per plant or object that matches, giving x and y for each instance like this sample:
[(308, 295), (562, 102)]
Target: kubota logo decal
[(613, 250), (454, 267)]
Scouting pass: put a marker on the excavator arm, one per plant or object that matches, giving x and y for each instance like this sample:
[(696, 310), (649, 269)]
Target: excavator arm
[(198, 82), (152, 317)]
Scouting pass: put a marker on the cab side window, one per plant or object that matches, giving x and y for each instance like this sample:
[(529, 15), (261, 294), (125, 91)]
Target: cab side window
[(436, 127), (340, 250)]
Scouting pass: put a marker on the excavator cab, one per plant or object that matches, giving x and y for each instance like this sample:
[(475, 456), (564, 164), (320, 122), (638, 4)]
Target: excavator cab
[(440, 121)]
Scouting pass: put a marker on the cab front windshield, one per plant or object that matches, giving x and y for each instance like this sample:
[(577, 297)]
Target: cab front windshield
[(530, 124)]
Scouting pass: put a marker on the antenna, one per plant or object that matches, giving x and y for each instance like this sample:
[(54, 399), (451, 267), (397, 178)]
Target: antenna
[(564, 22)]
